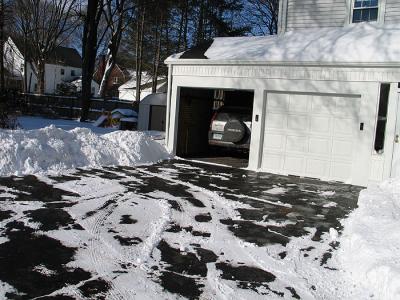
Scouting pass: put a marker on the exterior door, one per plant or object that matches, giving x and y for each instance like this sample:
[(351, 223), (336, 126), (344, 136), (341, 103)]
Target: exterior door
[(396, 148), (311, 135), (157, 117)]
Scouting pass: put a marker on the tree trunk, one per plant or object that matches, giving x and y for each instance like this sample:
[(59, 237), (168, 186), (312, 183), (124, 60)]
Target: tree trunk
[(180, 32), (25, 67), (41, 76), (200, 24), (185, 31), (89, 52), (2, 41), (109, 65), (139, 53), (157, 51)]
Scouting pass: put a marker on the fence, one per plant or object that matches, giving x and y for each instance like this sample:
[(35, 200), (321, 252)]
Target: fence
[(65, 107)]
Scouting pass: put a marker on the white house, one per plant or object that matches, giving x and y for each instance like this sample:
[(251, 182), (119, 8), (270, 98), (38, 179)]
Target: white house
[(63, 65), (127, 91), (95, 87), (324, 91)]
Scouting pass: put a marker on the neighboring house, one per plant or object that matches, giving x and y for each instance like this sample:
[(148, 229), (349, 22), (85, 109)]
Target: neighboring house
[(324, 93), (127, 91), (119, 76), (78, 85), (63, 65)]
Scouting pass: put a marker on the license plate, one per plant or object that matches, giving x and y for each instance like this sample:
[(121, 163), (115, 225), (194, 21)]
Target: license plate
[(217, 136)]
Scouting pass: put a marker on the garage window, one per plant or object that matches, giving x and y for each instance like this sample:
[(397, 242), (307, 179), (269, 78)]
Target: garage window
[(382, 117)]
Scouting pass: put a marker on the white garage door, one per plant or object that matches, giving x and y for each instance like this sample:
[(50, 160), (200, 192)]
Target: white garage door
[(311, 135)]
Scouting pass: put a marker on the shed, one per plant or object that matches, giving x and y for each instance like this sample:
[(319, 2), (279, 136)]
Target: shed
[(325, 101), (152, 112)]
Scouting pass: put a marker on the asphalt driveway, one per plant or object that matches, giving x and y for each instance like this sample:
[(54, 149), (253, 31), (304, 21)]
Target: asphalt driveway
[(171, 230)]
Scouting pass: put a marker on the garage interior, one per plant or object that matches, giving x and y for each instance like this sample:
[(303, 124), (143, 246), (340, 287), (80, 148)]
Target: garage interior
[(197, 108)]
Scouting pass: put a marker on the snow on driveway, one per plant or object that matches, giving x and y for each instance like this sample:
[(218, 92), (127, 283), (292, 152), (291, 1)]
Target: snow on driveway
[(173, 230)]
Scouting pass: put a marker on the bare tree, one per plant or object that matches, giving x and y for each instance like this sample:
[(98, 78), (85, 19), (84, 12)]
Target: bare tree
[(140, 28), (90, 45), (116, 16), (263, 16), (46, 25)]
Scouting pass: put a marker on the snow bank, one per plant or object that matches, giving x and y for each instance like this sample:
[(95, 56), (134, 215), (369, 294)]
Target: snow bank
[(51, 149), (370, 244)]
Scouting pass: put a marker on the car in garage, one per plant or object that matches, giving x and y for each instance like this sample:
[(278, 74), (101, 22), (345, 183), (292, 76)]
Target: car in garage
[(231, 127)]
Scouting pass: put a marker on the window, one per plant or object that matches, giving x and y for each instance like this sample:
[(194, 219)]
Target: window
[(365, 11), (116, 80), (382, 117), (72, 72), (62, 71)]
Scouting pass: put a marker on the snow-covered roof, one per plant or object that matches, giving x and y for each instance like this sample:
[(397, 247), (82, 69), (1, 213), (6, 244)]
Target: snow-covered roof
[(125, 112), (356, 43), (131, 83)]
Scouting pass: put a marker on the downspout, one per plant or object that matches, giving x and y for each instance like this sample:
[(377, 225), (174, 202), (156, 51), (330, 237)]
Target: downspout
[(169, 94), (282, 16)]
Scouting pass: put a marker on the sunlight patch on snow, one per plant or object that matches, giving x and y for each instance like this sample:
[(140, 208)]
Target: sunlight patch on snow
[(276, 191)]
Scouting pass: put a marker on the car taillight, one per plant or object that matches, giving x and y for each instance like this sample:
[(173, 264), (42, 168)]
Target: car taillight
[(213, 119)]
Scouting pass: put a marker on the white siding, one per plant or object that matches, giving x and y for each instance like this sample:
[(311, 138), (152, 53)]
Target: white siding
[(53, 76), (303, 14), (392, 13)]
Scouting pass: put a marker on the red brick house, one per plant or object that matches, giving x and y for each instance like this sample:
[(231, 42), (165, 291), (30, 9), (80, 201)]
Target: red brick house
[(119, 76)]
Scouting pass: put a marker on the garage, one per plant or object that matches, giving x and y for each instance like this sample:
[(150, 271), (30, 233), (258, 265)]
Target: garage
[(318, 110), (311, 135), (214, 125)]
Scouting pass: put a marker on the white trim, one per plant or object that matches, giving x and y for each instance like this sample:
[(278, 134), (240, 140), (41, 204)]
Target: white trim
[(390, 130), (191, 62), (297, 73), (167, 123), (396, 119)]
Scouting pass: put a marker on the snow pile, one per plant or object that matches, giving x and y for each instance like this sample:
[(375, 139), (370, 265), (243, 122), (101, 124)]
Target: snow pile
[(52, 149), (357, 43), (370, 245)]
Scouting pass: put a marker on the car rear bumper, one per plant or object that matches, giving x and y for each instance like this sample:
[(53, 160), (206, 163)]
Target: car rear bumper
[(227, 144)]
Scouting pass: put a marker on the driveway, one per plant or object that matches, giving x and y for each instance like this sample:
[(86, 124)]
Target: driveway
[(177, 229)]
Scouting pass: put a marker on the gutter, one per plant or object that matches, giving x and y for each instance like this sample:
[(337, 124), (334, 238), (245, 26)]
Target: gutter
[(193, 62)]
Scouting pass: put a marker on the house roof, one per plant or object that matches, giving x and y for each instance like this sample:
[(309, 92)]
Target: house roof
[(61, 55), (65, 56), (357, 43), (146, 79)]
